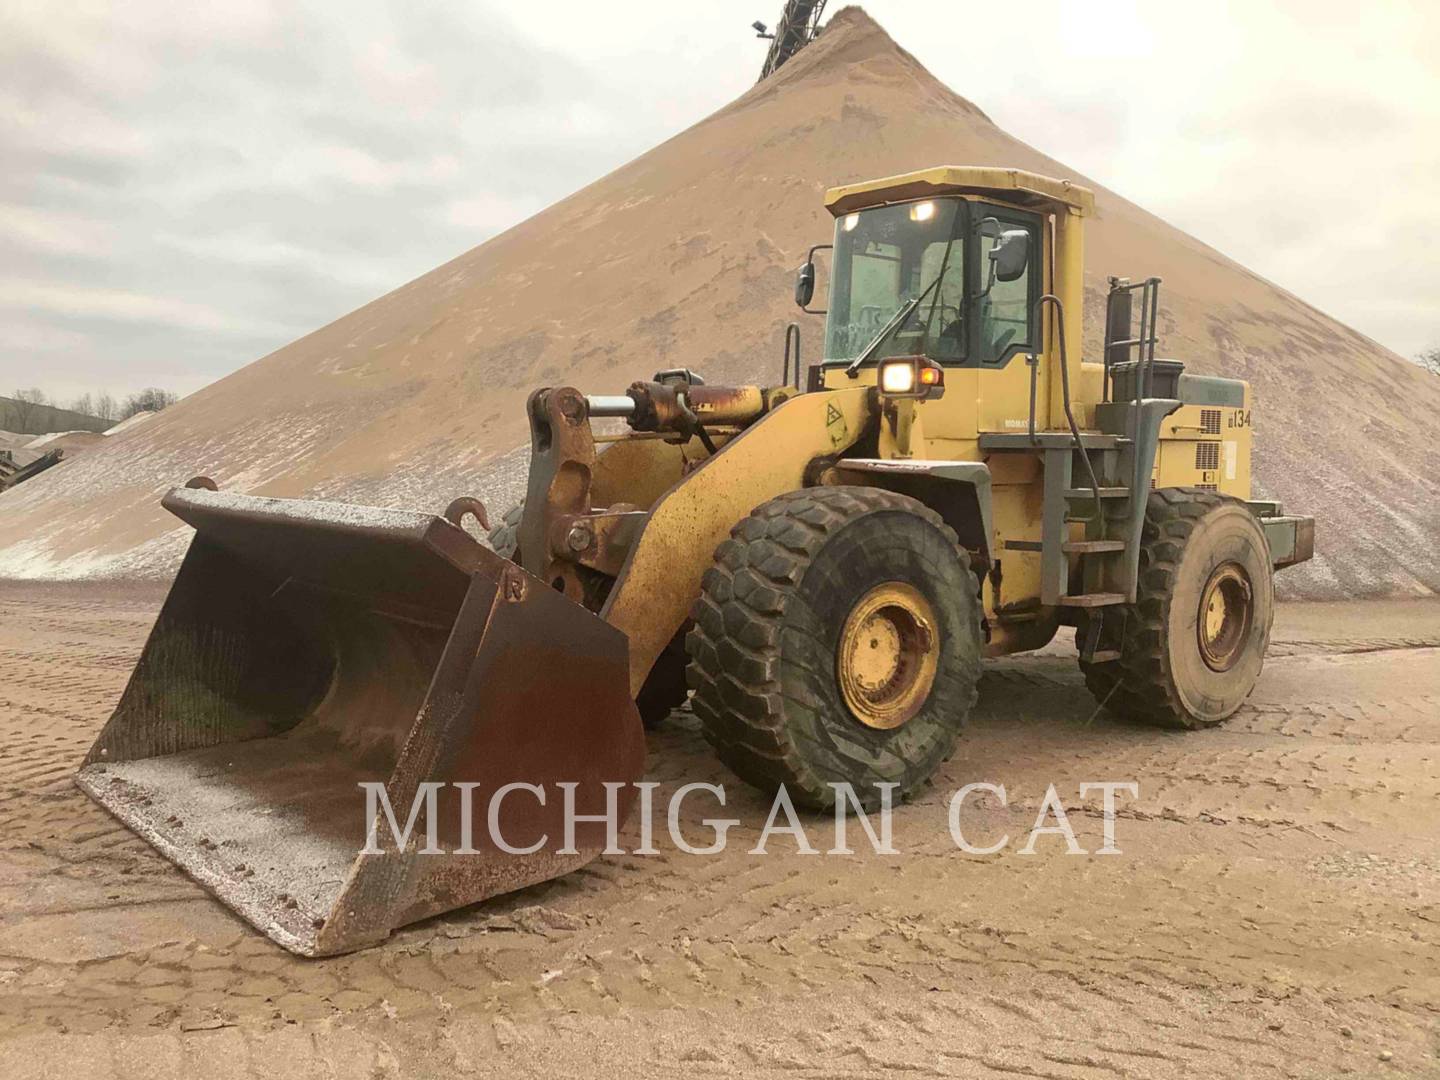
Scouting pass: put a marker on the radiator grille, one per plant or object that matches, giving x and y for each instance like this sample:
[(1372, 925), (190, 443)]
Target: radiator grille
[(1210, 421), (1208, 487), (1207, 455)]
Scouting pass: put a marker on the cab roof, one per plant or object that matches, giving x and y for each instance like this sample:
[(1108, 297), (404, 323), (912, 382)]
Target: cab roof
[(1010, 185)]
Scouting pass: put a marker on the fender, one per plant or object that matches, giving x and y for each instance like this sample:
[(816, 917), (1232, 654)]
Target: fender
[(1138, 466), (959, 491)]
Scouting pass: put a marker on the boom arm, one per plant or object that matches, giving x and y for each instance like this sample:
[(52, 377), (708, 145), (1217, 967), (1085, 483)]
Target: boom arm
[(660, 581)]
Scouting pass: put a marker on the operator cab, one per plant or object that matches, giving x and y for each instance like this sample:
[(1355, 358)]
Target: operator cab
[(945, 264), (941, 258)]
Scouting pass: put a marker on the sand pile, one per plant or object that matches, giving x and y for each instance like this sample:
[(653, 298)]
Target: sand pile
[(684, 257), (132, 421), (70, 441)]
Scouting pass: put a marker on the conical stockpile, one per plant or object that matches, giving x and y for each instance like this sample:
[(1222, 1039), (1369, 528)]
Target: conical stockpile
[(684, 257)]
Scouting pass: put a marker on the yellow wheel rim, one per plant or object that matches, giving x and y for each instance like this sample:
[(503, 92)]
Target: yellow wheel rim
[(888, 654), (1225, 617)]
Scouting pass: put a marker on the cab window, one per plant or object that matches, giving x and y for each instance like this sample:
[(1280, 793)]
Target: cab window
[(885, 258), (1005, 322)]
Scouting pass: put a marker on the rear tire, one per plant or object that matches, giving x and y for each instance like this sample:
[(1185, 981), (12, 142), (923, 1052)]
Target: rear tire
[(1194, 641), (664, 690), (781, 662)]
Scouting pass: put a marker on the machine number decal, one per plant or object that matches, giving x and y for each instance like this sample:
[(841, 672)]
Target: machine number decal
[(835, 424), (1240, 418)]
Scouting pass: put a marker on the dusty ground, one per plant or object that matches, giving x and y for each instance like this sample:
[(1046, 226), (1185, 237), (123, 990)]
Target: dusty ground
[(1276, 909)]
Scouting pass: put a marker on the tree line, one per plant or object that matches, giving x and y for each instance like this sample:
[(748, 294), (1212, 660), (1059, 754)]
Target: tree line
[(26, 405)]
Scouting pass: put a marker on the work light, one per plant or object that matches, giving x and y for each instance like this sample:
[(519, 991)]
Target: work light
[(897, 377), (911, 376)]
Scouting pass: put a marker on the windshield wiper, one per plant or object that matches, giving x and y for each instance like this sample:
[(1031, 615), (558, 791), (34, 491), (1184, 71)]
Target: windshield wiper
[(896, 321)]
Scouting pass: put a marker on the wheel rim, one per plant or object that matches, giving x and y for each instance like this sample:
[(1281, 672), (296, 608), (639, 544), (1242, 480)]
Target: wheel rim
[(888, 654), (1225, 617)]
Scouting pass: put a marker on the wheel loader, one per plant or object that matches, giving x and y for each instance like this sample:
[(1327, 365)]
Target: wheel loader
[(821, 569)]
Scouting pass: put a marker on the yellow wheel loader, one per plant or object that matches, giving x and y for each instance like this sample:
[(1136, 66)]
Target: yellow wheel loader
[(825, 568)]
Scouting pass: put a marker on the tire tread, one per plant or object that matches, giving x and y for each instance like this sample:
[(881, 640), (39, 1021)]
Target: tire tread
[(1139, 685), (739, 621)]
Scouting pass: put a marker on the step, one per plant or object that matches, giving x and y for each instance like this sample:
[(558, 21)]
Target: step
[(1070, 547), (1096, 599), (1091, 547), (1047, 440), (1089, 493), (1102, 656)]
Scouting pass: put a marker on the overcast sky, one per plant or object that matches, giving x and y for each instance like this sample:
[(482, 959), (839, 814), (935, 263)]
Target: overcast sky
[(186, 187)]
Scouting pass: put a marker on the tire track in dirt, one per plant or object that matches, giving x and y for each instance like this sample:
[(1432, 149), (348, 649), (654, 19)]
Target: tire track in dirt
[(1275, 873)]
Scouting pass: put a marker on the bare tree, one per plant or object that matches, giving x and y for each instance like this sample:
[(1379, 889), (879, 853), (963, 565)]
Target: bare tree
[(83, 405), (151, 399), (106, 407), (1429, 359), (24, 405)]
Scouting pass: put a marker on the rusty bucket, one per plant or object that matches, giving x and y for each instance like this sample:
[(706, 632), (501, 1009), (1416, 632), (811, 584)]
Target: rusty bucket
[(307, 649)]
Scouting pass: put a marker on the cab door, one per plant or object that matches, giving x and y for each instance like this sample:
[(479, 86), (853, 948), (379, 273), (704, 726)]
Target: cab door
[(1003, 325)]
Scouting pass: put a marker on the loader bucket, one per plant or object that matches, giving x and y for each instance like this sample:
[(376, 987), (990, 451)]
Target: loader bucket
[(308, 648)]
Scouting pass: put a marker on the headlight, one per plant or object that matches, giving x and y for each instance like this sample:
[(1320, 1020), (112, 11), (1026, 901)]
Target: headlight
[(897, 377), (912, 377)]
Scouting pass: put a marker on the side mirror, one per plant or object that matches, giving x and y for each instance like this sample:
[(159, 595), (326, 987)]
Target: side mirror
[(805, 285), (1009, 255), (805, 280)]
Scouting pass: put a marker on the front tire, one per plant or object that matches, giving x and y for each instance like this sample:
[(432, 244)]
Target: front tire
[(1194, 641), (836, 640)]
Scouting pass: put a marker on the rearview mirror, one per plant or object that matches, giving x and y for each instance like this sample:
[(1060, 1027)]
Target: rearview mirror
[(805, 280), (805, 285), (1010, 254)]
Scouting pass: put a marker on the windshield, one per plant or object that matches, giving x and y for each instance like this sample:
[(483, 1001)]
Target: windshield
[(886, 257)]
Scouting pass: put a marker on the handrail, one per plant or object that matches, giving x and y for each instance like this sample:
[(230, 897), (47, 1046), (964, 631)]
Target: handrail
[(1146, 337), (1144, 365), (1069, 413), (791, 329)]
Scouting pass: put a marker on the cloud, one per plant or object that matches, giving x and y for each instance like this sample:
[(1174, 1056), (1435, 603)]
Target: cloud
[(59, 234), (1297, 138), (189, 187), (118, 305)]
